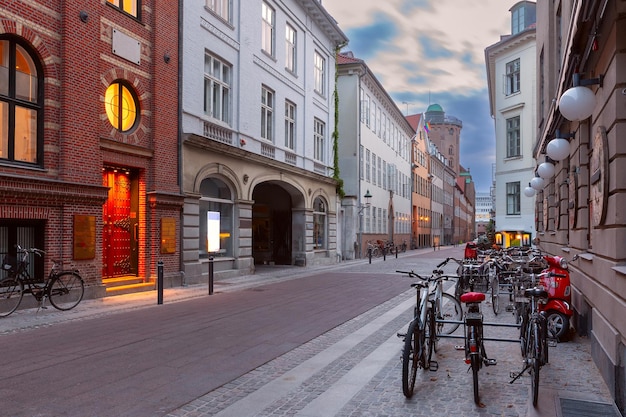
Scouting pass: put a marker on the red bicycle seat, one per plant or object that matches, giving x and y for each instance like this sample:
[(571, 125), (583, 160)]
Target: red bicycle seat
[(472, 297)]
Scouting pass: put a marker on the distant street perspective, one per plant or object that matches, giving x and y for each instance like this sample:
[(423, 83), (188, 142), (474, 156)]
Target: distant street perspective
[(288, 341)]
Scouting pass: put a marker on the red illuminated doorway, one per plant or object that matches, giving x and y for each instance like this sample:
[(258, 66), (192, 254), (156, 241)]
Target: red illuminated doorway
[(120, 223)]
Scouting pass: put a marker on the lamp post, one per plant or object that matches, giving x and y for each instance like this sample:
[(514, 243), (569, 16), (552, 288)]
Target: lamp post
[(368, 202)]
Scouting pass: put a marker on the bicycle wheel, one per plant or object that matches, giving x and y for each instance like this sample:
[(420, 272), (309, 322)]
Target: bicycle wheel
[(430, 338), (410, 358), (475, 362), (495, 296), (11, 294), (449, 309), (534, 358), (66, 290)]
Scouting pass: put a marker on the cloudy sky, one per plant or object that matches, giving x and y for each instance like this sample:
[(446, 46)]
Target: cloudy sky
[(432, 51)]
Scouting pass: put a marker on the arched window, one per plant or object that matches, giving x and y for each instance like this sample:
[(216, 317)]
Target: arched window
[(216, 218), (21, 102), (121, 106), (319, 224)]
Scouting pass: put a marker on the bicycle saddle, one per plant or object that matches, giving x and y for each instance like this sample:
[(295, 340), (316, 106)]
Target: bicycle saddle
[(536, 292), (472, 297)]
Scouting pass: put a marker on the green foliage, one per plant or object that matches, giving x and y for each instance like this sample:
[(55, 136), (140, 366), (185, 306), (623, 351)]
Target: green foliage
[(335, 135)]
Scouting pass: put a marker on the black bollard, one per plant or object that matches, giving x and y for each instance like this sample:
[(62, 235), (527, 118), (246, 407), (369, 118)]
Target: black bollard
[(369, 254), (160, 282), (396, 252), (211, 260), (384, 253)]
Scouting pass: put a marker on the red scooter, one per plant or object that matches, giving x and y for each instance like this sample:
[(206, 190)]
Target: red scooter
[(558, 308)]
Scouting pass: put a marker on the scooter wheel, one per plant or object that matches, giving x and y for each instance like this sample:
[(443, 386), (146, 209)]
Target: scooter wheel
[(558, 324)]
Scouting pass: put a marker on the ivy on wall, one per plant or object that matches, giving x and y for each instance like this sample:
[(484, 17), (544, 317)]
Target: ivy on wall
[(336, 175)]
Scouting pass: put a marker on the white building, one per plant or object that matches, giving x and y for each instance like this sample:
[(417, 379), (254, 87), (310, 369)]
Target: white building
[(512, 80), (257, 125), (374, 155)]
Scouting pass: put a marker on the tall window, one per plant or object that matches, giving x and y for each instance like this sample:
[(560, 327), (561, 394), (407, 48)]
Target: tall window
[(216, 218), (373, 168), (361, 164), (267, 114), (290, 48), (220, 8), (319, 73), (367, 165), (518, 21), (121, 106), (20, 104), (512, 77), (513, 198), (513, 137), (318, 139), (131, 7), (217, 85), (267, 36), (319, 223), (290, 124)]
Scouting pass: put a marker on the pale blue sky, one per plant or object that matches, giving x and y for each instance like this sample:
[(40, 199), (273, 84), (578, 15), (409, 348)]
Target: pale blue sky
[(432, 51)]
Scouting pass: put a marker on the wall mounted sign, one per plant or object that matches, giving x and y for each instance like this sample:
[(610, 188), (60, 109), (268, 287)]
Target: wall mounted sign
[(598, 181), (84, 243), (168, 235)]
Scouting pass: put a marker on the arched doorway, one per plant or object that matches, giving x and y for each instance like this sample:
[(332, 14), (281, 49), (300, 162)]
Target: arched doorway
[(271, 225)]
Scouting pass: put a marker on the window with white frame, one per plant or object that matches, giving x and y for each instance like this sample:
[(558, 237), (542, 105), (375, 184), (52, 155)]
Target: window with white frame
[(378, 172), (267, 34), (513, 145), (367, 165), (373, 168), (220, 8), (512, 77), (361, 166), (217, 88), (290, 48), (513, 197), (290, 124), (319, 223), (318, 139), (518, 21), (267, 114), (319, 73)]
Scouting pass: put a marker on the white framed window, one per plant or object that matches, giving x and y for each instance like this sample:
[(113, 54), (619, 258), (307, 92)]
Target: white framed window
[(361, 165), (319, 223), (267, 34), (290, 48), (217, 88), (220, 8), (373, 168), (512, 77), (367, 164), (319, 73), (513, 145), (267, 114), (290, 124), (318, 139), (513, 197)]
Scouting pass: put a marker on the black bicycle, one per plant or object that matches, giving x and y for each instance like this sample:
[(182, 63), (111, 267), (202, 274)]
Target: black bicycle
[(63, 288)]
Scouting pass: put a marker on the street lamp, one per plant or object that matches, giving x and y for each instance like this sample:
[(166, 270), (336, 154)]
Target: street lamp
[(368, 203)]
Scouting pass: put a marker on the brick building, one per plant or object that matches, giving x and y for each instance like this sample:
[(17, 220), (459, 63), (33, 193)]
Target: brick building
[(81, 136)]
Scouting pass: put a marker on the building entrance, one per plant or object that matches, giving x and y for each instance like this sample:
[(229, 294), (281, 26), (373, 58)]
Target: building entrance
[(271, 225), (120, 223)]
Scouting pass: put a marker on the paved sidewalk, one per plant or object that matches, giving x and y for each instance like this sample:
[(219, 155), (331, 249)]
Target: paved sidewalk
[(351, 369)]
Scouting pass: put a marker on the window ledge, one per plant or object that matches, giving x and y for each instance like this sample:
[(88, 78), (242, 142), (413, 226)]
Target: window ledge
[(586, 256), (620, 269)]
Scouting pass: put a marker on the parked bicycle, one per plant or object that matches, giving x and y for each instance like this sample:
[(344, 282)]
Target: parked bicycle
[(433, 307), (534, 338), (63, 288)]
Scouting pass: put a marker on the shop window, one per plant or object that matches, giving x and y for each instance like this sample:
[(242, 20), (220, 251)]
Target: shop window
[(131, 7), (216, 219), (319, 223)]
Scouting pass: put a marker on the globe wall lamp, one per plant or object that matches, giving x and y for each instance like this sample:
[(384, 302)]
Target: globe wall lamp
[(558, 148), (529, 191), (546, 169), (578, 102), (537, 183)]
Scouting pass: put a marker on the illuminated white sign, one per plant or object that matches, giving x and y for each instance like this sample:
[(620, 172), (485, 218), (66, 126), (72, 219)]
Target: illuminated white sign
[(213, 231)]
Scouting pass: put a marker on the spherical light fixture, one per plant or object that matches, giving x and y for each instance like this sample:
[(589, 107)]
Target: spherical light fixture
[(546, 170), (558, 149), (529, 191), (537, 183), (577, 103)]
